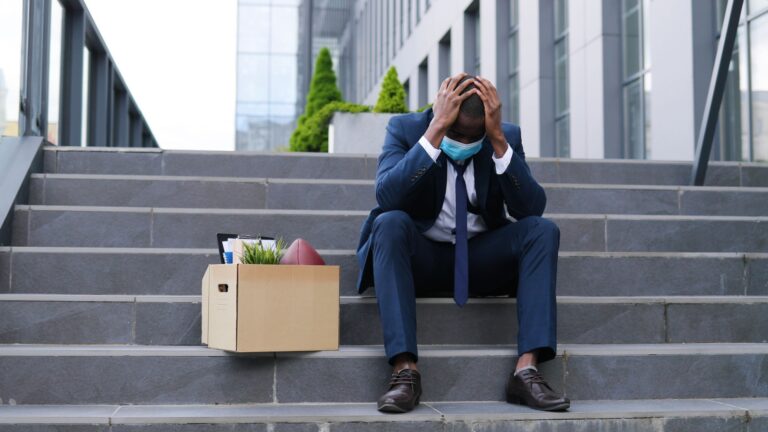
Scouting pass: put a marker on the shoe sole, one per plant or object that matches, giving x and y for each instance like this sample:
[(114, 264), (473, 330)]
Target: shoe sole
[(519, 401), (392, 408)]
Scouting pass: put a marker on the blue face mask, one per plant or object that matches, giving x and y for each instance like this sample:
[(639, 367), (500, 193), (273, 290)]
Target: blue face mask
[(459, 151)]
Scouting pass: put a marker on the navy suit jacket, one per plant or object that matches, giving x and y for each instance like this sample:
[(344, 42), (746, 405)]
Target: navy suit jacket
[(408, 179)]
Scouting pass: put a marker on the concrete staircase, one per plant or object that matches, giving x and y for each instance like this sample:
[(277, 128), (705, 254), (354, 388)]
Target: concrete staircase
[(662, 301)]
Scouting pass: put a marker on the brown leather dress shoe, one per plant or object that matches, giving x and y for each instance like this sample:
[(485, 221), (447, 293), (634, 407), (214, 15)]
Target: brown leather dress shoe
[(529, 388), (404, 392)]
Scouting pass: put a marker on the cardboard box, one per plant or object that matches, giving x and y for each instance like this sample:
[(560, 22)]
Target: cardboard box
[(269, 308)]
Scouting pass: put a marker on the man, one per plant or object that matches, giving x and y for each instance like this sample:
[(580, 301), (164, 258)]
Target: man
[(445, 182)]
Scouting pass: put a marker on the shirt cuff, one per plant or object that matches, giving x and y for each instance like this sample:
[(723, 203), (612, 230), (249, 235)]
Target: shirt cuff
[(431, 151), (503, 162)]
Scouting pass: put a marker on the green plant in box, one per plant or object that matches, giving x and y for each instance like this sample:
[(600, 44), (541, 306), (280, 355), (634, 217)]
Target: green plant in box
[(256, 253)]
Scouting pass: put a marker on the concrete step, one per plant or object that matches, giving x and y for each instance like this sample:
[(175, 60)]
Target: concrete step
[(35, 225), (158, 271), (641, 415), (277, 193), (175, 320), (124, 374), (322, 165)]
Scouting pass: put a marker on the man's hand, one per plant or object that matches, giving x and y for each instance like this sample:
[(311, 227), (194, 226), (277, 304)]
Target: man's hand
[(446, 107), (492, 105)]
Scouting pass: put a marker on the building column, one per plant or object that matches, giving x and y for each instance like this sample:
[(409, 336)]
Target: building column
[(673, 133), (537, 83), (595, 91), (489, 40)]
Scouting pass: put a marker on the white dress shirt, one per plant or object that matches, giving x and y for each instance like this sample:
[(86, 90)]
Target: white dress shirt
[(446, 220)]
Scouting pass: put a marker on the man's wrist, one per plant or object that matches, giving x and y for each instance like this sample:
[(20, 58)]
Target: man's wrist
[(499, 143)]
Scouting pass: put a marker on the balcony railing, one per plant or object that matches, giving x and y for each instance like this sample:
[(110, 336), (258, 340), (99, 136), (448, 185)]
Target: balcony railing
[(113, 119)]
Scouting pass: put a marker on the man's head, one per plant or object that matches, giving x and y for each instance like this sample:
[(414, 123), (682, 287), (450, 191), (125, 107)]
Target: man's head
[(470, 123)]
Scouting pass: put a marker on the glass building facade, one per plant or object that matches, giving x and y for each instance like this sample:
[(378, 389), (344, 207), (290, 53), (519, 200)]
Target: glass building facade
[(267, 71), (636, 66), (743, 123), (562, 128), (277, 41)]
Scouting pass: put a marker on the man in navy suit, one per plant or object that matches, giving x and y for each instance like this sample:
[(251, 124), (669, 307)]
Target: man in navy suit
[(447, 178)]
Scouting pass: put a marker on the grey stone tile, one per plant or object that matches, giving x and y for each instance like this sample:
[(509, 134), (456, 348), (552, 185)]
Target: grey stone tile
[(230, 164), (299, 413), (626, 275), (89, 228), (94, 272), (666, 376), (155, 193), (694, 235), (614, 201), (49, 161), (724, 203), (581, 234), (330, 379), (543, 171), (296, 427), (389, 426), (201, 427), (364, 379), (5, 270), (581, 425), (168, 323), (717, 322), (348, 275), (198, 230), (496, 323), (109, 162), (758, 275), (137, 379), (758, 424), (60, 322), (20, 228), (320, 196), (706, 424), (756, 406), (610, 323), (614, 172), (52, 428), (721, 174), (754, 175), (53, 415), (36, 191)]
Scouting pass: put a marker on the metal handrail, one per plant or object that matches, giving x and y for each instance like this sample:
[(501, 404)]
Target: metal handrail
[(716, 90), (113, 117)]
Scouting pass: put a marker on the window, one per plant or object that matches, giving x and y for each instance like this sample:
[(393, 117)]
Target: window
[(513, 80), (423, 79), (562, 126), (743, 121), (636, 79)]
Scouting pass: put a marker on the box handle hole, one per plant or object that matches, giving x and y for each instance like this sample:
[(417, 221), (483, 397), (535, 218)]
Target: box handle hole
[(223, 288)]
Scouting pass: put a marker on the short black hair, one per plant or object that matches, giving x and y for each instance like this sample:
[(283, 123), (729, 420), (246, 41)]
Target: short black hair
[(473, 105)]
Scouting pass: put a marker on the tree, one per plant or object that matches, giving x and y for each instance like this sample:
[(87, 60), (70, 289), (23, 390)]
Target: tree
[(392, 95), (322, 88)]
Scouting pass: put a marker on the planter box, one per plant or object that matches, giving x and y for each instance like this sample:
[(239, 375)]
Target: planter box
[(357, 133), (270, 308)]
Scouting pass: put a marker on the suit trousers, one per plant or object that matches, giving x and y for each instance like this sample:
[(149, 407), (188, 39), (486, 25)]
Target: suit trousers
[(518, 259)]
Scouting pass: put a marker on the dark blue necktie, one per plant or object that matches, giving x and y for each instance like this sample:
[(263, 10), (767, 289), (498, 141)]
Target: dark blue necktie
[(461, 261)]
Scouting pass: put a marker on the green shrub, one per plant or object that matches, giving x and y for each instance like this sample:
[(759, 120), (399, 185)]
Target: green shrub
[(424, 108), (256, 253), (312, 136), (392, 95), (322, 88)]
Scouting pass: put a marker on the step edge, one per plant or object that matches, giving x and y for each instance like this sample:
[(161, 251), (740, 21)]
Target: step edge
[(367, 351), (356, 412)]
